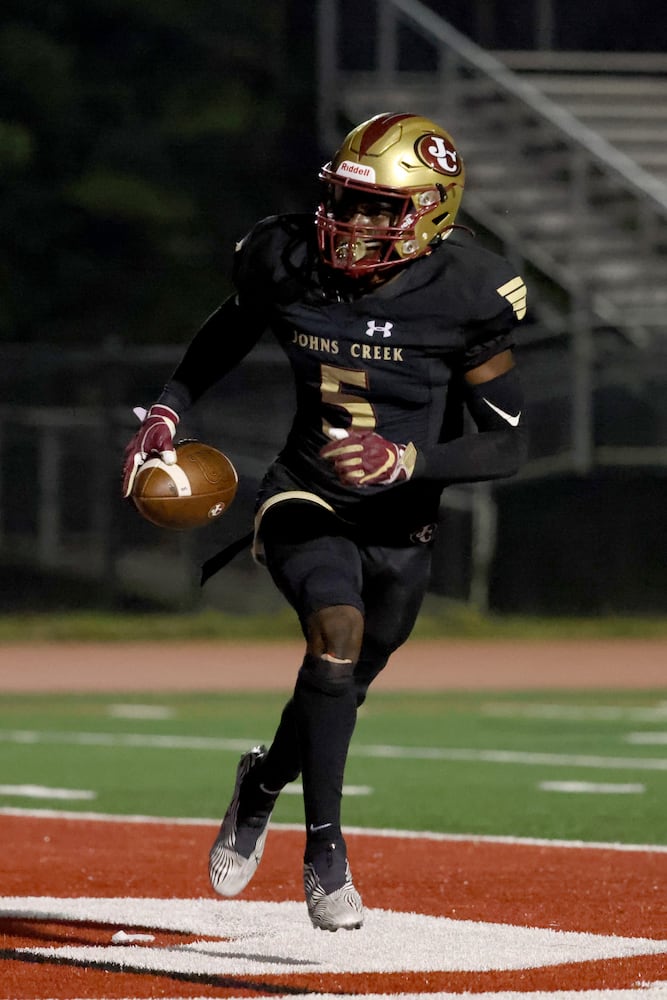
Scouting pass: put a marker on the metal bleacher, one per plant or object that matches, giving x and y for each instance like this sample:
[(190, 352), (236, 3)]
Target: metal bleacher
[(620, 95), (621, 98)]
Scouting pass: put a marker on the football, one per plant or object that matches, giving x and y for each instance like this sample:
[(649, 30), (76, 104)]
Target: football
[(195, 491)]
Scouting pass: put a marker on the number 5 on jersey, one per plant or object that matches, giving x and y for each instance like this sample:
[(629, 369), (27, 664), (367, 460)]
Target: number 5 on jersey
[(361, 412)]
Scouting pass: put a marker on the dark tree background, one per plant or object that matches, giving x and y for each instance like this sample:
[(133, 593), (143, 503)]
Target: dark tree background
[(138, 140)]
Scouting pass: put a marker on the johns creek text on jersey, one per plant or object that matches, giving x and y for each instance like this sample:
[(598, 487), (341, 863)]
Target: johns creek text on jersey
[(365, 352)]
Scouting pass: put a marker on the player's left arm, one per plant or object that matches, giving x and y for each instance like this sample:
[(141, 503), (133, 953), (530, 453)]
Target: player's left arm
[(492, 394), (494, 399)]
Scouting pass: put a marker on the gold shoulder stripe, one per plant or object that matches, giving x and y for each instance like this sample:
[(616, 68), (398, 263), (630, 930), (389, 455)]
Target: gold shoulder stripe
[(516, 293)]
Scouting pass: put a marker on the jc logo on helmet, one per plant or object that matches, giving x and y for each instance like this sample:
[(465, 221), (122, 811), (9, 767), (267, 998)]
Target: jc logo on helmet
[(437, 153)]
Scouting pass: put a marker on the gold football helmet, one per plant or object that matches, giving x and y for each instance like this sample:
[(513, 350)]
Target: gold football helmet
[(391, 193)]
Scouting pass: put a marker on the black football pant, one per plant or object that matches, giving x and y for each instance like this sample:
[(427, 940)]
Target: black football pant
[(316, 564)]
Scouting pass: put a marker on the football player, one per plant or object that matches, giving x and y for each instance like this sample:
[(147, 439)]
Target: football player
[(395, 321)]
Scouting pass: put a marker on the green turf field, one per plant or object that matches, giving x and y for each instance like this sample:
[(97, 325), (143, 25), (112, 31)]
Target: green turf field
[(471, 763)]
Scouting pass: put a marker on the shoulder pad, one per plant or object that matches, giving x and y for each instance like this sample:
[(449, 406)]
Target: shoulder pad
[(275, 252), (493, 282)]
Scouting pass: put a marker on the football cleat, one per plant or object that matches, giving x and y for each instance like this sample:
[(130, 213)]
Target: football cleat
[(332, 908), (238, 848)]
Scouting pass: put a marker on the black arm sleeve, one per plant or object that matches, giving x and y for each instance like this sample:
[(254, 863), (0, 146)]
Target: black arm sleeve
[(498, 449), (218, 346)]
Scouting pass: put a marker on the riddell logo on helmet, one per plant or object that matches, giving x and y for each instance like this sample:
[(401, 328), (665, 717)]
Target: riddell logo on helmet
[(349, 169), (439, 154)]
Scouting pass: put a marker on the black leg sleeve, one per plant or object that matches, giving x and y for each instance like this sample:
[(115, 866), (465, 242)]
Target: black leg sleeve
[(326, 712), (282, 763)]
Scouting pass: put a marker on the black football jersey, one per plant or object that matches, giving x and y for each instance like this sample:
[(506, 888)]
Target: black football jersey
[(390, 360)]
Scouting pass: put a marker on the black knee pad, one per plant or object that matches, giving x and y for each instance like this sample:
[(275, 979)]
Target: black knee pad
[(329, 676)]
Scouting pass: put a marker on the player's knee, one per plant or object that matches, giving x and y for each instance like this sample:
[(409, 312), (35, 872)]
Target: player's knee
[(336, 632), (327, 674)]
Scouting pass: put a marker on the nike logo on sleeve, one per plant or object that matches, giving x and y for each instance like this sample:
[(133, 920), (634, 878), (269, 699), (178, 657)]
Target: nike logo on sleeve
[(509, 417)]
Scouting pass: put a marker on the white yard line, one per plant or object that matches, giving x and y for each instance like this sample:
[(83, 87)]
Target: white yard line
[(591, 788), (97, 817), (122, 711), (296, 788), (646, 739), (586, 713), (383, 751), (45, 792)]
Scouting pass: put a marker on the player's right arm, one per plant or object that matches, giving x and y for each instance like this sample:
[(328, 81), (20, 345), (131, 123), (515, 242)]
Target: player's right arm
[(217, 347)]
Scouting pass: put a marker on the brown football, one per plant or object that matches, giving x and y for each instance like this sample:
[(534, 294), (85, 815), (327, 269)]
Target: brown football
[(192, 493)]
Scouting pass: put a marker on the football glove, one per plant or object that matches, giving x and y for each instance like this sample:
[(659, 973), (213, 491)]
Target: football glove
[(367, 459), (156, 435)]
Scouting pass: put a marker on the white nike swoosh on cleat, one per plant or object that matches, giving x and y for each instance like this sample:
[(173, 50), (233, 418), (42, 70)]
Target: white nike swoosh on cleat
[(509, 417), (314, 829)]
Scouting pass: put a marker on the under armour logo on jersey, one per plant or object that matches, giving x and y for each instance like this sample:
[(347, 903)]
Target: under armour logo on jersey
[(515, 293), (383, 328)]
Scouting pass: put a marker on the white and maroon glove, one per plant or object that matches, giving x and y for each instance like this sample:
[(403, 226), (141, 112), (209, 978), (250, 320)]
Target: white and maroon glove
[(367, 459), (156, 435)]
